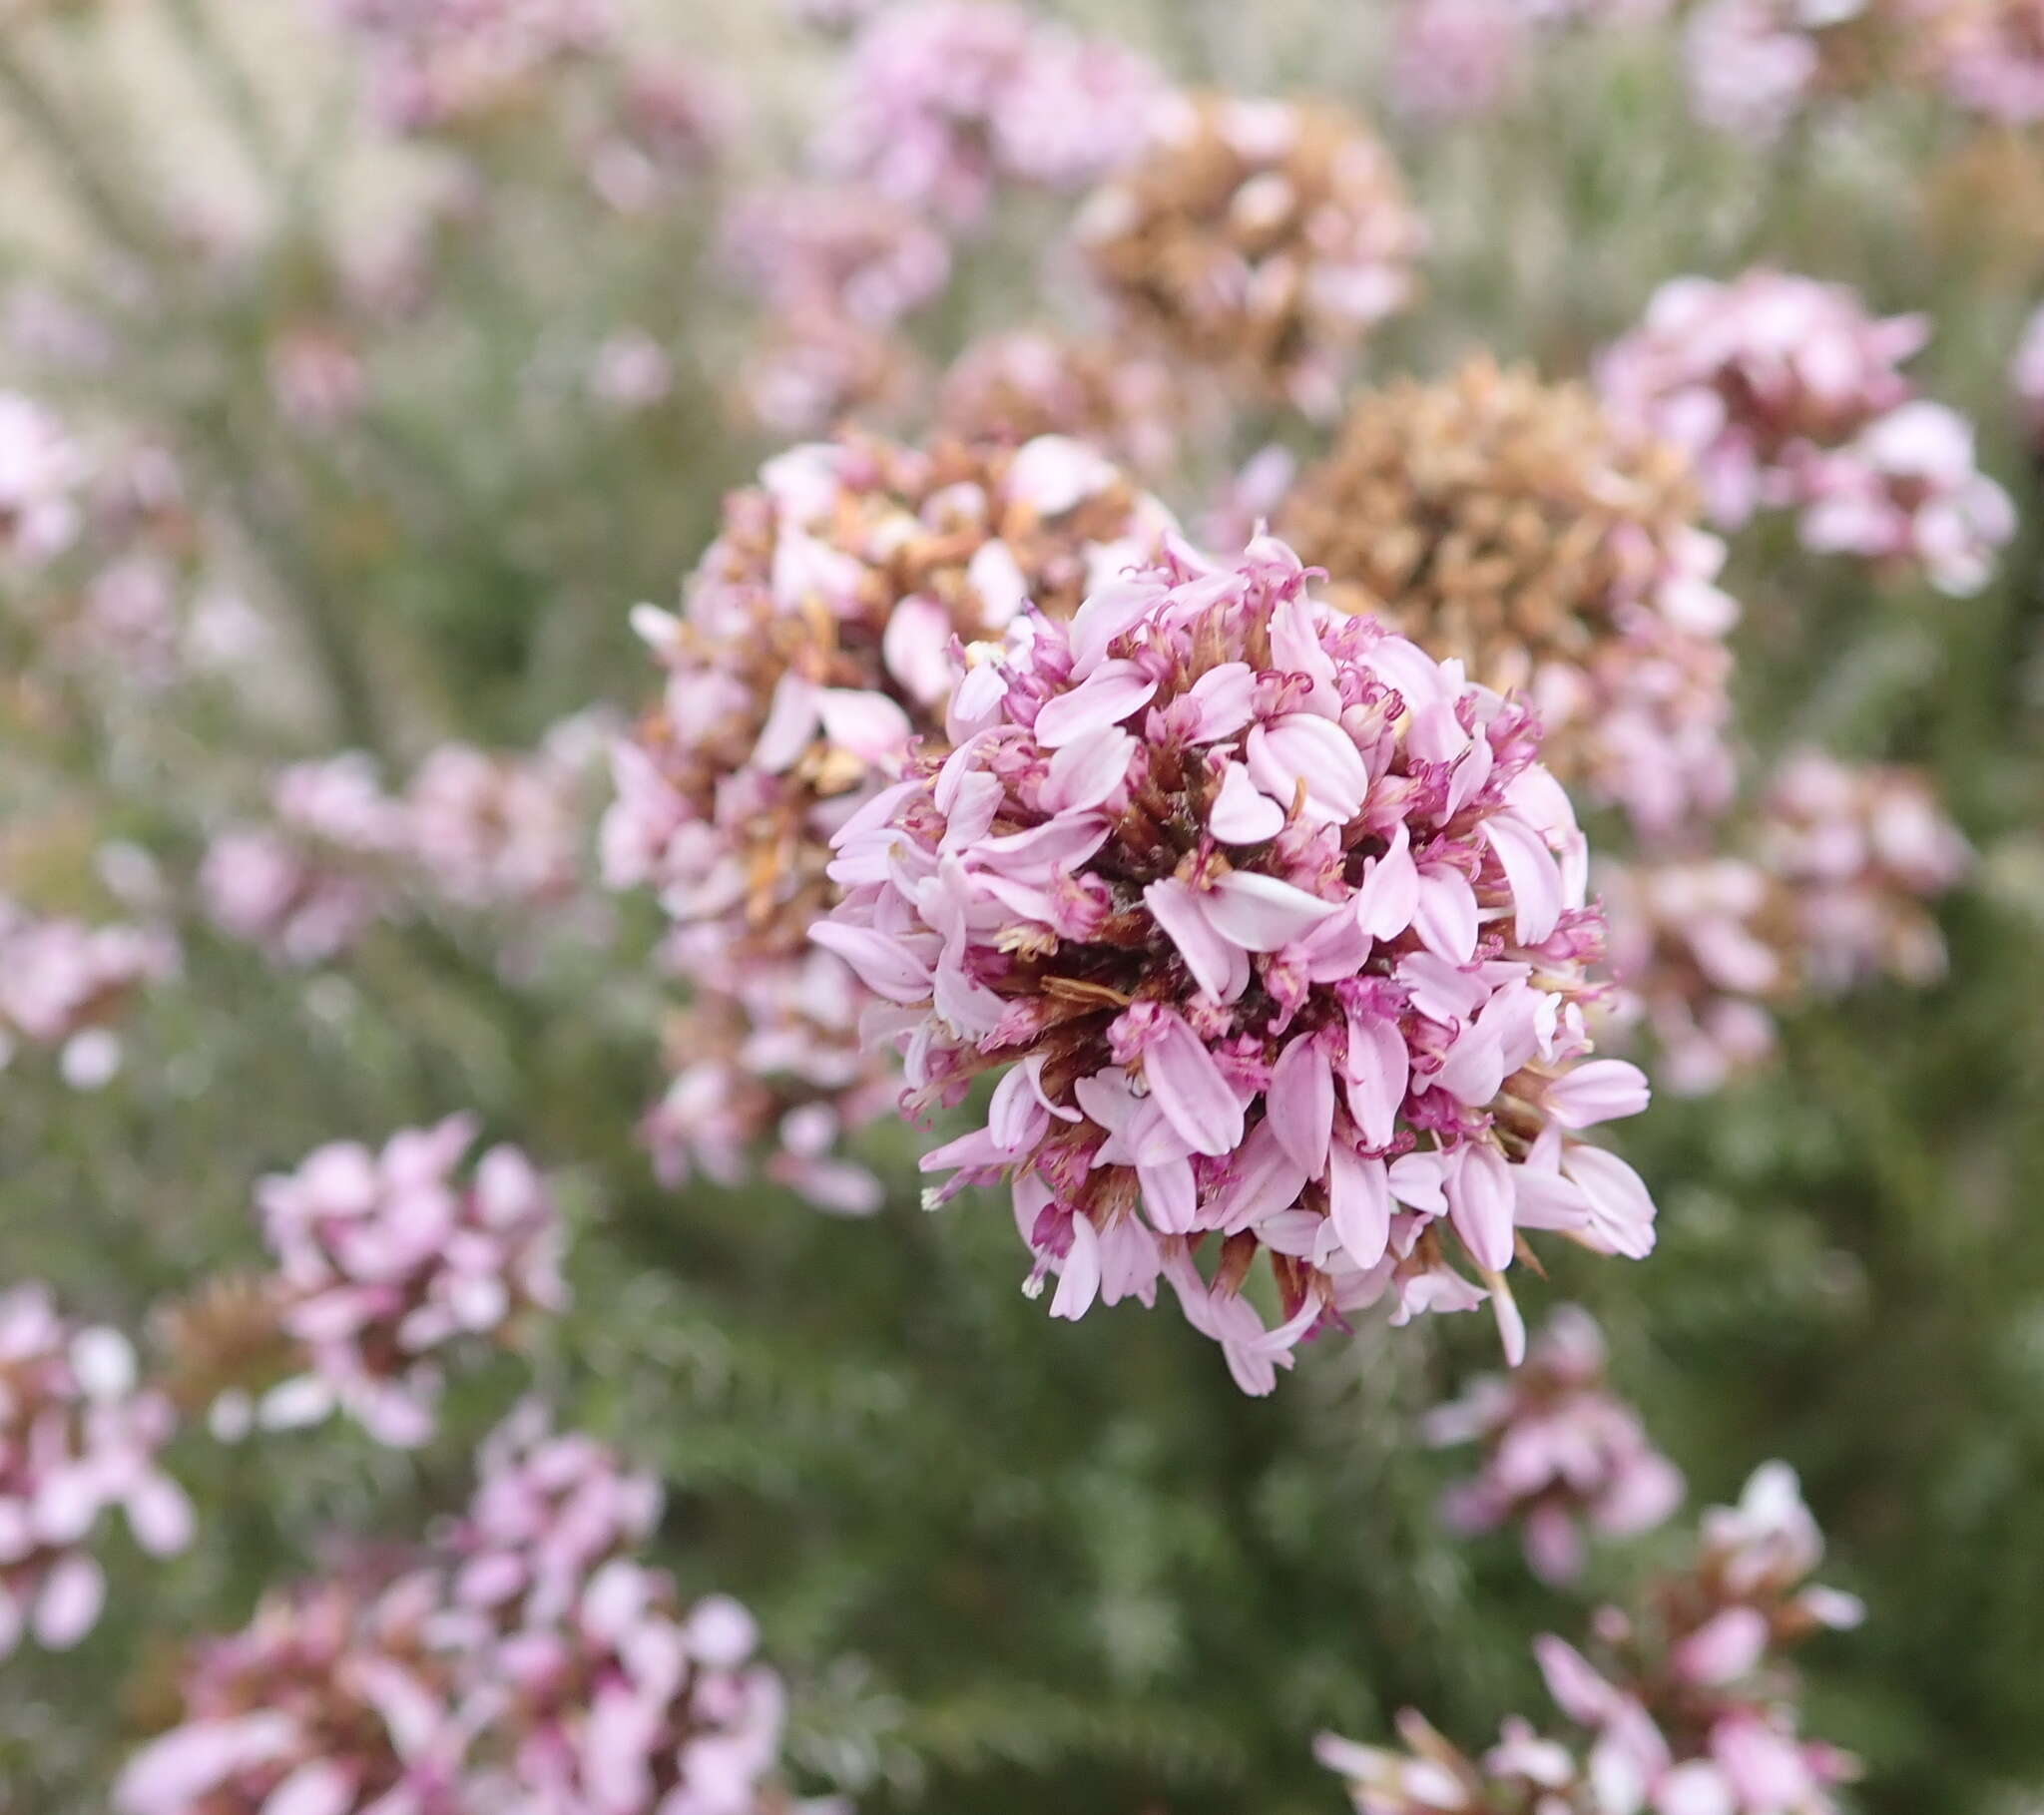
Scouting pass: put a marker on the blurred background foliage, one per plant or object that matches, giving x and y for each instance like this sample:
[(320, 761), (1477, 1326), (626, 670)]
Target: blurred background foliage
[(1004, 1562)]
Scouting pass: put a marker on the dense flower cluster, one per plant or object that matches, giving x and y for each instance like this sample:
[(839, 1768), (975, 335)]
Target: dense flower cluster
[(433, 64), (1457, 58), (473, 829), (1560, 1452), (1835, 891), (64, 984), (1860, 851), (940, 100), (1507, 523), (1260, 239), (385, 1259), (1273, 928), (1690, 1709), (78, 1440), (525, 1663), (1787, 394)]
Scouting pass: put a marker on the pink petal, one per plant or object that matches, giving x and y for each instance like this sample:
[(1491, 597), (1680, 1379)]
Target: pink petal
[(1111, 694), (318, 1788), (790, 723), (917, 649), (1223, 696), (1087, 771), (1601, 1091), (1389, 895), (1304, 746), (1416, 1183), (1480, 1200), (1078, 1283), (1268, 1182), (1299, 1105), (885, 966), (1260, 913), (1474, 1067), (69, 1606), (1218, 966), (1240, 816), (1531, 870), (1378, 1069), (1188, 1086), (1170, 1198), (870, 726), (1359, 1202), (1447, 915), (1621, 1208)]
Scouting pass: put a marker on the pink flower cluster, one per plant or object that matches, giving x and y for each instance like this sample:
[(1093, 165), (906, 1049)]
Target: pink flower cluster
[(1560, 1452), (1271, 928), (386, 1260), (1690, 1711), (1753, 64), (524, 1663), (78, 1439), (474, 829), (42, 470), (839, 266), (1787, 394), (1988, 55), (63, 982), (434, 64), (1845, 860), (1861, 850), (940, 100)]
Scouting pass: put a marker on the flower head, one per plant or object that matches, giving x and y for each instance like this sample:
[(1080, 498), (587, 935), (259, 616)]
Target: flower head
[(1259, 238), (1560, 1450), (63, 984), (1753, 64), (1747, 378), (1988, 55), (836, 249), (1271, 927), (942, 99), (386, 1258), (78, 1439), (1859, 851), (1908, 491), (1509, 524)]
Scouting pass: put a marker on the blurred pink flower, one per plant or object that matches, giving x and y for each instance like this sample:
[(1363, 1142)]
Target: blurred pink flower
[(385, 1259), (64, 984), (1337, 1023), (1560, 1451), (78, 1439), (1860, 851), (41, 470), (2026, 377), (837, 249), (942, 99), (1988, 54), (1689, 1711), (1908, 490), (1456, 59), (1748, 376)]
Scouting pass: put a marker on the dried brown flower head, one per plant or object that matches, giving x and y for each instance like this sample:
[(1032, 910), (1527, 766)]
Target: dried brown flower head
[(1505, 522), (1260, 238)]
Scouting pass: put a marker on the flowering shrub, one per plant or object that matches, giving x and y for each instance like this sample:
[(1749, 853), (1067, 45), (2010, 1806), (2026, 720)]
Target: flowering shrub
[(1368, 659)]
